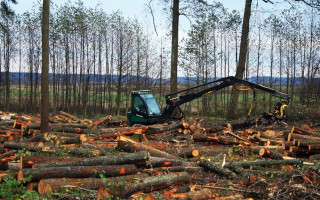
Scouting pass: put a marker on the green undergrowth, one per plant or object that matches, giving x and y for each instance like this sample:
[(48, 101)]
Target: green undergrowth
[(10, 188)]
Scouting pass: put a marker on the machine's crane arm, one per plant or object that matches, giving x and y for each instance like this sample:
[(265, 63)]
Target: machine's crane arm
[(173, 103)]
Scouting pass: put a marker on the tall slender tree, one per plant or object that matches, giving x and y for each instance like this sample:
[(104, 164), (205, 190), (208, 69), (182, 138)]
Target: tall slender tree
[(45, 67), (242, 58)]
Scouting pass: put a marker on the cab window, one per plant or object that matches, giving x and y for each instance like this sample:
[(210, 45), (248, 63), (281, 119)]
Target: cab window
[(139, 105), (152, 104)]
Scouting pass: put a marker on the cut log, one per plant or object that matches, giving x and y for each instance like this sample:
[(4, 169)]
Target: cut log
[(189, 169), (127, 158), (258, 151), (68, 115), (204, 138), (20, 146), (102, 120), (79, 139), (79, 171), (305, 143), (158, 128), (315, 157), (46, 186), (32, 186), (188, 153), (298, 150), (314, 147), (292, 136), (235, 136), (8, 154), (266, 163), (216, 168), (125, 130), (165, 162), (129, 145), (271, 153), (286, 145), (305, 132), (66, 129), (150, 184)]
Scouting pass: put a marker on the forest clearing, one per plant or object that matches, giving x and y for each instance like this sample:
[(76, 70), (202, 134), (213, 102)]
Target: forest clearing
[(194, 159), (160, 99)]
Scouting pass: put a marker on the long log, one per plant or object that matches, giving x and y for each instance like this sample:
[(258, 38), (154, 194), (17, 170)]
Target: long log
[(20, 146), (46, 186), (189, 169), (126, 158), (68, 115), (165, 162), (125, 130), (29, 161), (39, 148), (129, 145), (292, 136), (265, 163), (79, 171), (305, 132), (158, 128), (305, 143), (150, 184), (102, 120), (204, 138)]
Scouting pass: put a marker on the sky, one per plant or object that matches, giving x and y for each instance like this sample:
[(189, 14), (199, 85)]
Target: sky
[(131, 9), (137, 9)]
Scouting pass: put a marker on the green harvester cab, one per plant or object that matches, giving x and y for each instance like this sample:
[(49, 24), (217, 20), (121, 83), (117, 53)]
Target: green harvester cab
[(144, 108)]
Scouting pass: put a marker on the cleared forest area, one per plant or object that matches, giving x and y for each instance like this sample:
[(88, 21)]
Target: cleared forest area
[(229, 142), (193, 159)]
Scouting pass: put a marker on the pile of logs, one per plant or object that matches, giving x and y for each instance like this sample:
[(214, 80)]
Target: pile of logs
[(108, 159)]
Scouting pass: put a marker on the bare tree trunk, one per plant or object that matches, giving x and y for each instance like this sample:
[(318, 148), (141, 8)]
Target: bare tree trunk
[(19, 82), (259, 53), (271, 67), (174, 49), (120, 56), (242, 58), (45, 67), (293, 75), (7, 65), (303, 61), (280, 58)]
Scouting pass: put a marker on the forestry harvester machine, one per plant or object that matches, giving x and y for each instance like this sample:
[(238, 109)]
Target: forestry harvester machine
[(145, 108)]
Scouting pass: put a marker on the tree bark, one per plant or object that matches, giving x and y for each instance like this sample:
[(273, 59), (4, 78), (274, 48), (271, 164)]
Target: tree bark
[(130, 145), (45, 68), (127, 158), (151, 184), (214, 167), (242, 59), (80, 171), (174, 47), (46, 186)]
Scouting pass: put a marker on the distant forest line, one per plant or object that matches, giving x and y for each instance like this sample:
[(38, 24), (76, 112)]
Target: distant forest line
[(25, 78)]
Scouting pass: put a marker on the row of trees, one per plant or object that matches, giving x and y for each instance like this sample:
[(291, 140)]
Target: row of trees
[(96, 58)]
